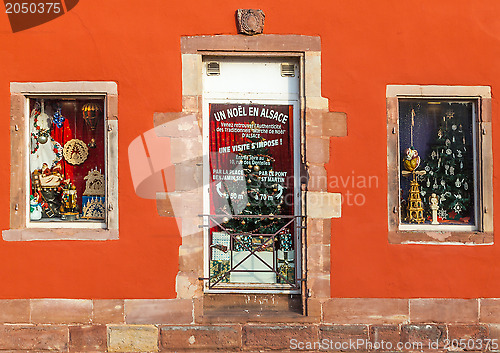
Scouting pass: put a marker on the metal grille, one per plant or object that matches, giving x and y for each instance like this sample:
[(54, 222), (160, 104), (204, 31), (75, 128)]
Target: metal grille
[(213, 68), (250, 251)]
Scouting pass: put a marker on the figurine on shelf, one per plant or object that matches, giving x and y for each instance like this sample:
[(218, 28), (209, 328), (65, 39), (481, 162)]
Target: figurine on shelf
[(414, 211), (91, 113), (69, 204), (93, 199), (35, 209), (434, 204)]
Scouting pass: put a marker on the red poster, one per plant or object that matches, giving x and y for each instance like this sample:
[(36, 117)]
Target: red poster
[(251, 159)]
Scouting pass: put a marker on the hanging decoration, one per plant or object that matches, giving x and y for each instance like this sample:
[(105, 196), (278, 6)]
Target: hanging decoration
[(58, 118), (43, 147), (91, 113), (450, 170), (75, 151)]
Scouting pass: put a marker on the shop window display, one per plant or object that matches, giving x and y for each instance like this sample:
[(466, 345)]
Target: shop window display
[(438, 162), (67, 159)]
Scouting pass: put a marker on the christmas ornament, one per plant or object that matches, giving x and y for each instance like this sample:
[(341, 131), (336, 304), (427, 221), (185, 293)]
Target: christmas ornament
[(442, 213), (94, 208), (35, 209), (219, 271), (434, 204), (58, 118), (449, 170), (91, 113), (256, 168), (412, 159), (42, 139), (95, 184), (69, 205), (42, 144), (75, 151), (414, 211)]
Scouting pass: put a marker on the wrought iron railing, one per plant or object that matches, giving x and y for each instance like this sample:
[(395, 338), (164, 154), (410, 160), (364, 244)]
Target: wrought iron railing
[(220, 280)]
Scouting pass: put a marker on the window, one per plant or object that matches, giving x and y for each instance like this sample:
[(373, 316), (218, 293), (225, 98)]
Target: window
[(252, 139), (66, 162), (439, 144), (63, 161)]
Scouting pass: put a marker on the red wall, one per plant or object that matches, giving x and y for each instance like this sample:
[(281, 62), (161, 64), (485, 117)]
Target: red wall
[(365, 46)]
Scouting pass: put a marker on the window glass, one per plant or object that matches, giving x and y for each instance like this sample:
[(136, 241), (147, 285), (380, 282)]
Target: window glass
[(436, 149), (252, 238), (67, 159)]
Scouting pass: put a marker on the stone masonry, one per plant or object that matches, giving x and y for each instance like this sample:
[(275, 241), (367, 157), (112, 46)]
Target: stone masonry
[(166, 325)]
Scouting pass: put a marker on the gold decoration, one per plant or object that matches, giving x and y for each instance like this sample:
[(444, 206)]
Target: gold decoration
[(91, 112), (94, 183), (94, 209), (75, 151), (415, 211)]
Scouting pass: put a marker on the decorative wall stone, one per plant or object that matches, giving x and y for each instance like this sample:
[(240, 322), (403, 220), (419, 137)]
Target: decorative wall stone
[(343, 333), (108, 311), (250, 21), (389, 334), (278, 336), (87, 338), (132, 338), (366, 311), (159, 311), (369, 320), (200, 337), (61, 311), (424, 333), (490, 310), (468, 332), (29, 337), (444, 310), (15, 311), (325, 205)]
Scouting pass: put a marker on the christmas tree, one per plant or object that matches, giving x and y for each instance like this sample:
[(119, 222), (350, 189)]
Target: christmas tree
[(264, 197), (449, 171)]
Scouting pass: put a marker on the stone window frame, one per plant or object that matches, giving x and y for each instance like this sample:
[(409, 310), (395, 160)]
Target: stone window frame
[(482, 95), (318, 125), (19, 95)]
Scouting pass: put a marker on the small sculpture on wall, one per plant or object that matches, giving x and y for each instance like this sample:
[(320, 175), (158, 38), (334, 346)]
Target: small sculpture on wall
[(250, 21)]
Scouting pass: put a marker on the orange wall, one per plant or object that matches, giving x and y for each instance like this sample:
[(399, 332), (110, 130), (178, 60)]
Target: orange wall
[(365, 46)]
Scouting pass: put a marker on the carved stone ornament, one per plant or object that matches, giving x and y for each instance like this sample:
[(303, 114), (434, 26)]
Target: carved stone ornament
[(250, 21)]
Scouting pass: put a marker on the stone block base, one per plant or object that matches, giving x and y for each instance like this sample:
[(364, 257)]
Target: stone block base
[(167, 325)]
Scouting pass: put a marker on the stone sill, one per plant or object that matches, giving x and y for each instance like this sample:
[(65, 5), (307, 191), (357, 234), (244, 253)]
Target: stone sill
[(445, 238), (228, 317), (30, 234)]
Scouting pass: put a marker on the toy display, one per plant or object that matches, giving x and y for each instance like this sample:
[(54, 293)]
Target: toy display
[(66, 182)]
